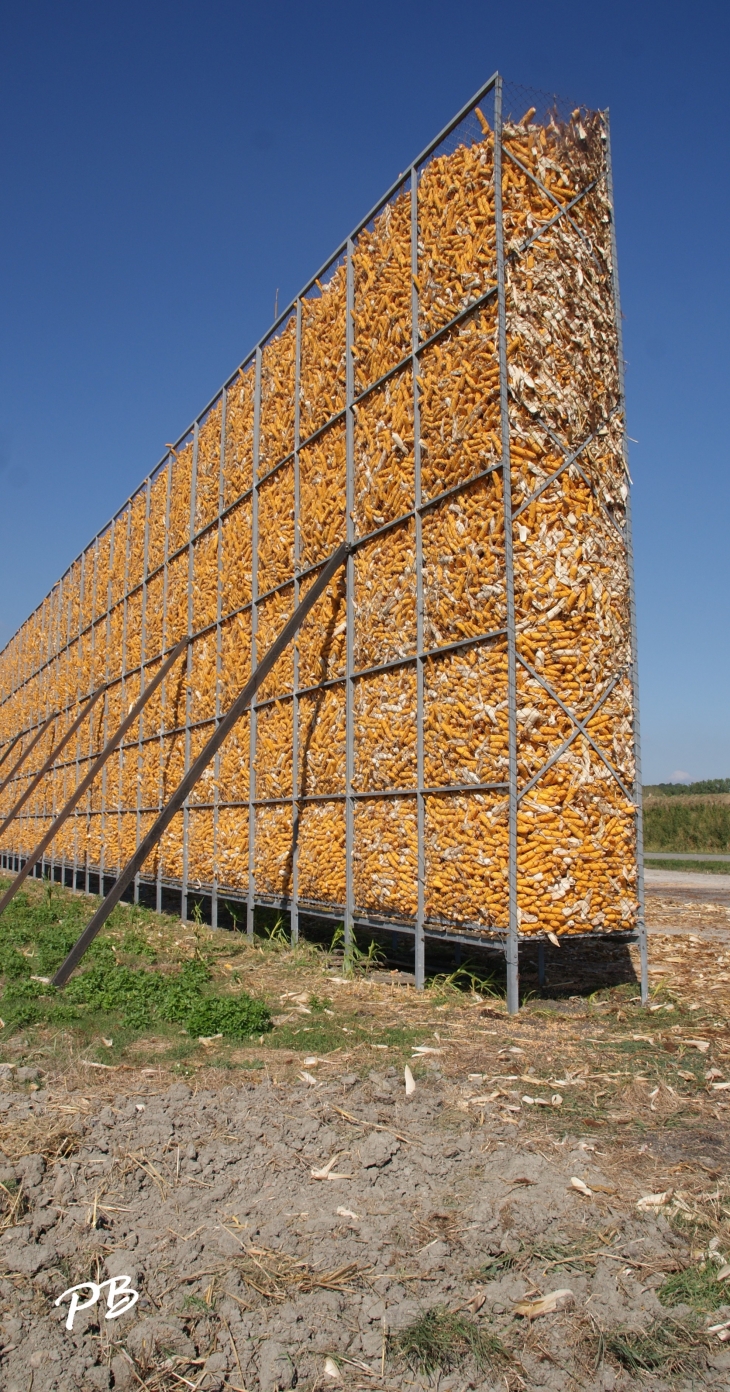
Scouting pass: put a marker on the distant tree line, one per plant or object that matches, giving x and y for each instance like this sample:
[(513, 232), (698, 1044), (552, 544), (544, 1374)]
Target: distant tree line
[(705, 785)]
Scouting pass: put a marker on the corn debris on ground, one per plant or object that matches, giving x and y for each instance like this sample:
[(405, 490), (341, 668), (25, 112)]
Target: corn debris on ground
[(428, 436)]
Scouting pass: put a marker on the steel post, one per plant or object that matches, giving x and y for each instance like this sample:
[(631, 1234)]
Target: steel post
[(105, 726), (419, 941), (142, 656), (218, 659), (251, 896), (638, 791), (123, 753), (349, 604), (189, 683), (82, 600), (512, 941), (90, 745), (294, 913)]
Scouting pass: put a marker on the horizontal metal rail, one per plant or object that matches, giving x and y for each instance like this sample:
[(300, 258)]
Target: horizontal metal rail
[(199, 765), (97, 766), (368, 795), (472, 933), (50, 761)]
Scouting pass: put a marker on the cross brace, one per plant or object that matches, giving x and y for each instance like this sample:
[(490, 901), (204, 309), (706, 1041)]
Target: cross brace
[(11, 746), (16, 766), (96, 767), (50, 761), (198, 767)]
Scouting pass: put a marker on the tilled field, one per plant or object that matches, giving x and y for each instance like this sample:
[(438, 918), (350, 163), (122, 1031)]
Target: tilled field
[(299, 1220)]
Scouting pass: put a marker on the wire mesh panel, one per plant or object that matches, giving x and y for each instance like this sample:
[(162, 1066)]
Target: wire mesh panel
[(450, 742)]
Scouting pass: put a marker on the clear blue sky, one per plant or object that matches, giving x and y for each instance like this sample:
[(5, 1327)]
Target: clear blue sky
[(167, 167)]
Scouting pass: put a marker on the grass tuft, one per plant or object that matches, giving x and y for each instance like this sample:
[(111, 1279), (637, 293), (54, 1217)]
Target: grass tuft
[(696, 1286), (665, 1345), (440, 1340), (463, 980)]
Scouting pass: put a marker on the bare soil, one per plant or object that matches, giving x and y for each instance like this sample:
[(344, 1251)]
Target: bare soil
[(285, 1216)]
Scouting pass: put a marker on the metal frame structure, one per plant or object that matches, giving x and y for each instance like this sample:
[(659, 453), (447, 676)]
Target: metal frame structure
[(97, 767), (420, 927), (194, 771), (88, 706)]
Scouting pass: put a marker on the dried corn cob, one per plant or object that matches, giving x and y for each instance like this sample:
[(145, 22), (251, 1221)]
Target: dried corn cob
[(322, 468), (322, 742), (238, 464), (383, 292), (385, 732), (321, 853), (322, 373), (386, 855)]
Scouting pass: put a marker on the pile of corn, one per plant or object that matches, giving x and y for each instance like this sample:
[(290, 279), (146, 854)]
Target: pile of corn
[(143, 584)]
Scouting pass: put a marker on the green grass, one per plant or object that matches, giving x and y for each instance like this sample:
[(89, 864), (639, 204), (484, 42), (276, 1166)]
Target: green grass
[(503, 1261), (152, 976), (441, 1340), (686, 824), (704, 867), (576, 1256), (696, 1286), (665, 1345), (122, 988)]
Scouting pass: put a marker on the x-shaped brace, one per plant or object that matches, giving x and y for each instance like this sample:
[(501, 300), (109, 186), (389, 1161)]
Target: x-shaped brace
[(564, 208), (579, 730)]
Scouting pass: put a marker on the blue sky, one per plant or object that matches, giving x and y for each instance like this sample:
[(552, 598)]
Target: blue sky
[(166, 168)]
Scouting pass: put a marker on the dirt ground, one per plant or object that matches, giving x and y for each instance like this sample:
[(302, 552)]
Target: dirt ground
[(295, 1219)]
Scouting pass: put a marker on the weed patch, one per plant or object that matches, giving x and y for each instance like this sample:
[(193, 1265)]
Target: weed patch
[(696, 1286), (666, 1346), (686, 824), (118, 988), (235, 1017), (440, 1340), (464, 981)]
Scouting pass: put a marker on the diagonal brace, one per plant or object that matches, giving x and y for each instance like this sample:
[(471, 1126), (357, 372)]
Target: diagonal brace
[(41, 732), (571, 459), (580, 728), (198, 767), (50, 761), (567, 461), (564, 208), (11, 746), (96, 768)]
